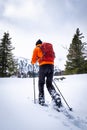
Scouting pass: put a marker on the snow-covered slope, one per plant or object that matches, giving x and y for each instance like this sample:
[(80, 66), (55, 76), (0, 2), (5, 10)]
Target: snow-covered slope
[(18, 111)]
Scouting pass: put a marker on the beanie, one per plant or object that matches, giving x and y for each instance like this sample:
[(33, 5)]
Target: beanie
[(39, 42)]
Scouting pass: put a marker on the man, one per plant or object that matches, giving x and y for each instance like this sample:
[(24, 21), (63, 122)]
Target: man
[(46, 70)]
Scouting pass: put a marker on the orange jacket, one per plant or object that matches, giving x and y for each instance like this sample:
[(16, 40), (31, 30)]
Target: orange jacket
[(37, 54)]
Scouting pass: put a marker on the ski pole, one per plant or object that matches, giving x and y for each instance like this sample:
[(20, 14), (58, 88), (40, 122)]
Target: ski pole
[(34, 85), (62, 96)]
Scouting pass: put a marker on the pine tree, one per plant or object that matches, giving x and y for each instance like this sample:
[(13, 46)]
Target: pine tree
[(76, 59), (8, 65)]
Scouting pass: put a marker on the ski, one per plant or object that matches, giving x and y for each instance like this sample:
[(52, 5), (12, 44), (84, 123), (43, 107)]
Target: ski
[(56, 108), (43, 105), (64, 111)]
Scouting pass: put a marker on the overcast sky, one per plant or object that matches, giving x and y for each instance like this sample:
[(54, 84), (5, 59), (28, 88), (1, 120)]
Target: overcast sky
[(53, 21)]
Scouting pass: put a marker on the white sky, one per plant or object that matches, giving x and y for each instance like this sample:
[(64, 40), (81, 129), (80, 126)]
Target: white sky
[(53, 21)]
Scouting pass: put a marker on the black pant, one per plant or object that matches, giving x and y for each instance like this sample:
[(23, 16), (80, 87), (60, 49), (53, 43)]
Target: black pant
[(46, 71)]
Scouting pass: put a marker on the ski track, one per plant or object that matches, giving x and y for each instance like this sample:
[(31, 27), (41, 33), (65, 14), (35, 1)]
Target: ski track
[(14, 96), (75, 120), (70, 117)]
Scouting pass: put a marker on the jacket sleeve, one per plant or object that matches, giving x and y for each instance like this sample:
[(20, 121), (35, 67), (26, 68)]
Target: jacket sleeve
[(34, 56), (37, 54)]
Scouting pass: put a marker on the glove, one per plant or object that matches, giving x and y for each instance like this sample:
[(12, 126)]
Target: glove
[(32, 63)]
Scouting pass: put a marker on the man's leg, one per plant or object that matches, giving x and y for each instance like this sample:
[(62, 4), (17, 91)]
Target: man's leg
[(41, 86), (55, 96)]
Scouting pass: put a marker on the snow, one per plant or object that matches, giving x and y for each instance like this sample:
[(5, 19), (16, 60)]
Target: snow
[(18, 111)]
